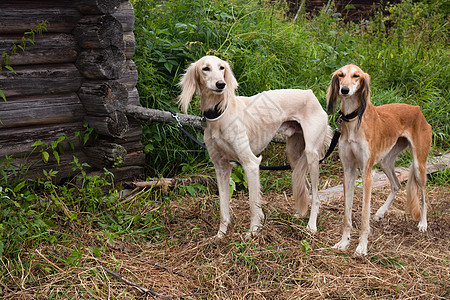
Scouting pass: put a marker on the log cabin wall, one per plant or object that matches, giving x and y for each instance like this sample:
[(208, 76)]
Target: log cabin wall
[(78, 71)]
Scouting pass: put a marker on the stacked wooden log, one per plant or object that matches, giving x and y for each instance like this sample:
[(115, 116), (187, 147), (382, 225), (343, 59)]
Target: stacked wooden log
[(78, 71)]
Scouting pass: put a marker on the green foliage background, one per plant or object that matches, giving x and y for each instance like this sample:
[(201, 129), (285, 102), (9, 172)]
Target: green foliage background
[(403, 47)]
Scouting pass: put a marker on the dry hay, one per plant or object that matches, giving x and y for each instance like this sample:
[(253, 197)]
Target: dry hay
[(282, 262)]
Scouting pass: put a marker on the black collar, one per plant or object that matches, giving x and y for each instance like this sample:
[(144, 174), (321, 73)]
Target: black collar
[(350, 117), (213, 113)]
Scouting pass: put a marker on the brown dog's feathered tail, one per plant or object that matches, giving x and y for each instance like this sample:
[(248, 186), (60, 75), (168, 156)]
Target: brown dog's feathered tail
[(413, 193)]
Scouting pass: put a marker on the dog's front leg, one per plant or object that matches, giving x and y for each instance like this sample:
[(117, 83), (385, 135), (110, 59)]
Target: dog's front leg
[(251, 168), (365, 217), (223, 173), (350, 173)]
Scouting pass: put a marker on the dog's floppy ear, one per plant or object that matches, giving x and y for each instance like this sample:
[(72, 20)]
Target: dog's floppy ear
[(365, 95), (232, 85), (189, 85), (230, 80), (332, 93)]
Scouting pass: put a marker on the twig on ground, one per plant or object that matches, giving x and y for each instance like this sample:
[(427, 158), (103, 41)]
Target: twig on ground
[(136, 286), (47, 260), (173, 271), (155, 294)]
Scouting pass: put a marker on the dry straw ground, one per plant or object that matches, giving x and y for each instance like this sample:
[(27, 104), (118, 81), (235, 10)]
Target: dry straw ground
[(282, 262)]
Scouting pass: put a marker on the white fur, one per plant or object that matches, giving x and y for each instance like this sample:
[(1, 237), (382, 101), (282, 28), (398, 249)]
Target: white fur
[(245, 128)]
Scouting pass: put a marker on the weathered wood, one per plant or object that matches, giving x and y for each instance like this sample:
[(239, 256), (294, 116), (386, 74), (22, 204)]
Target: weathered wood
[(17, 141), (17, 17), (101, 98), (156, 115), (105, 63), (48, 49), (133, 97), (125, 15), (40, 79), (129, 75), (97, 7), (99, 32), (105, 154), (131, 140), (129, 44), (114, 125), (38, 110), (135, 158), (128, 173)]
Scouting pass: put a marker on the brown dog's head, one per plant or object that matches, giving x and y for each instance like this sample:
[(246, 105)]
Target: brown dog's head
[(349, 82)]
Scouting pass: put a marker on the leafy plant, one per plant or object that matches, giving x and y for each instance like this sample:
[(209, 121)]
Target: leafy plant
[(27, 38)]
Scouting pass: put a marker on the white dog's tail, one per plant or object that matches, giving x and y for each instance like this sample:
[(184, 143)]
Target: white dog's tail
[(413, 192), (299, 186)]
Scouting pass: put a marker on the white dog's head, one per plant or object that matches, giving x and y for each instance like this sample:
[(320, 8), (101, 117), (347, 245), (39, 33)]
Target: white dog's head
[(209, 77)]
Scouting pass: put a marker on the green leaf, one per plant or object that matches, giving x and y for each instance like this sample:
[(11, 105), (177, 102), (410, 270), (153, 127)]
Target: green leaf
[(3, 95), (37, 144), (45, 156), (11, 69), (56, 155)]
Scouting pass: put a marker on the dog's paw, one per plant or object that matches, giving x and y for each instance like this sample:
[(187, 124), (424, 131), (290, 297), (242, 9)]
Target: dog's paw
[(220, 235), (377, 217), (311, 228), (361, 250), (342, 245), (422, 226)]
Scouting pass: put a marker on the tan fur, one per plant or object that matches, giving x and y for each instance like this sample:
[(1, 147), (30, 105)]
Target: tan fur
[(247, 125), (377, 136)]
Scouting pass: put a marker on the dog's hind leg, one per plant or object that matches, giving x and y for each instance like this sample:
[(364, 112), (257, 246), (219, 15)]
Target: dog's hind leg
[(223, 172), (313, 162), (387, 165), (415, 186)]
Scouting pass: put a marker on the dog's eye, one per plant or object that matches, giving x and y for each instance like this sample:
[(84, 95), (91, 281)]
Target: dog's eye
[(221, 68), (341, 75), (206, 69), (355, 75)]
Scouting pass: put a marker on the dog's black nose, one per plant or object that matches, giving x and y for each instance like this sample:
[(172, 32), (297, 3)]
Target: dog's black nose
[(345, 90), (220, 84)]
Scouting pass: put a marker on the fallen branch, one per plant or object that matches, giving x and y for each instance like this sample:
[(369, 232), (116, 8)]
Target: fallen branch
[(160, 116), (166, 182), (136, 286), (173, 271)]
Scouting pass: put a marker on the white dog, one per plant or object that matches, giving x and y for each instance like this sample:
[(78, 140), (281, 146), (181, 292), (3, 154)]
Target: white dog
[(239, 128)]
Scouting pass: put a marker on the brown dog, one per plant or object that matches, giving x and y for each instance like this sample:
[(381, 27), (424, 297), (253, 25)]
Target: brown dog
[(373, 135)]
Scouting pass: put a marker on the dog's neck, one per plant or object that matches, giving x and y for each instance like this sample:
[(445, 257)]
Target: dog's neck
[(349, 104), (214, 112), (212, 105)]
